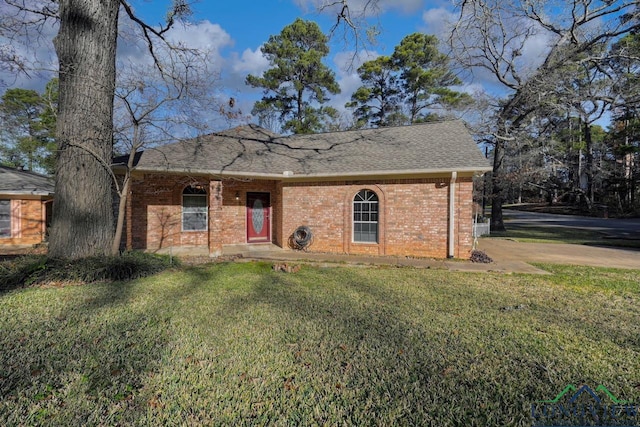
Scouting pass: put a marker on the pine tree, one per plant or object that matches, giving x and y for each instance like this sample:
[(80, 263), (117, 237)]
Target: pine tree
[(298, 83)]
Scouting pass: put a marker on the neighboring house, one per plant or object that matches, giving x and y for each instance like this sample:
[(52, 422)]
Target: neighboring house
[(404, 191), (25, 201)]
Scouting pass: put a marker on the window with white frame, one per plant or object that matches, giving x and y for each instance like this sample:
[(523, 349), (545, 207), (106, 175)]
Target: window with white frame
[(5, 218), (365, 217), (194, 209)]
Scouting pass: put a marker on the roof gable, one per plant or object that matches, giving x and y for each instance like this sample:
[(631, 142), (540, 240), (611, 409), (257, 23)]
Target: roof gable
[(433, 147)]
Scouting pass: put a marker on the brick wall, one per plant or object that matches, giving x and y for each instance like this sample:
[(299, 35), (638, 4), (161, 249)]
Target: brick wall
[(27, 223), (413, 214), (155, 209)]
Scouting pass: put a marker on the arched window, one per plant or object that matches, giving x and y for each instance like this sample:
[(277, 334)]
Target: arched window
[(365, 217), (194, 209)]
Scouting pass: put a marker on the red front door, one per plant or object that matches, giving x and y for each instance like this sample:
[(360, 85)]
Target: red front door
[(258, 217)]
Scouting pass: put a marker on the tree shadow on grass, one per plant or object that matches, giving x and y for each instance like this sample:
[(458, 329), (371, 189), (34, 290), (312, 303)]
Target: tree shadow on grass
[(85, 355), (239, 344), (350, 345)]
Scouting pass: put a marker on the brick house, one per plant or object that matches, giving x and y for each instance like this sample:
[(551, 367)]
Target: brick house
[(25, 204), (403, 191)]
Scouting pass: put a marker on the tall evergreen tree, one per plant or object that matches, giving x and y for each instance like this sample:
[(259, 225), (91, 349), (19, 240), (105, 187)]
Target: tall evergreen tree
[(425, 77), (28, 128), (377, 102), (411, 85), (298, 83)]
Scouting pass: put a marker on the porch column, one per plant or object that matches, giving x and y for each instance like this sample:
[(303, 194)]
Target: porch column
[(215, 218)]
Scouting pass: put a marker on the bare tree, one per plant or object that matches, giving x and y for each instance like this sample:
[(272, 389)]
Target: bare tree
[(151, 110), (352, 20), (86, 48), (23, 25), (495, 36)]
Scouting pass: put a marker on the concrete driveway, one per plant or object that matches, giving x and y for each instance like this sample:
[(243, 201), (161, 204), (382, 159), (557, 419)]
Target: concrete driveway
[(510, 251), (506, 252)]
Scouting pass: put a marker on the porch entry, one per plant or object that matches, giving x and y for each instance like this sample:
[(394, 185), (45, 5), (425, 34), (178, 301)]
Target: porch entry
[(258, 217)]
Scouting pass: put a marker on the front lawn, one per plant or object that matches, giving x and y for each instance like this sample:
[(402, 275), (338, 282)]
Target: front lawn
[(240, 344)]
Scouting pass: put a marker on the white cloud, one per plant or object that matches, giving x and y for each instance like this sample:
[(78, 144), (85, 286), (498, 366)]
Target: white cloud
[(438, 21), (210, 39), (536, 49), (250, 62), (347, 62), (33, 48), (204, 36), (406, 6)]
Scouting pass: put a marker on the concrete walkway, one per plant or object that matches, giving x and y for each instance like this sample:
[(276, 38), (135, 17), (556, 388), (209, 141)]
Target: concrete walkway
[(508, 256), (274, 253)]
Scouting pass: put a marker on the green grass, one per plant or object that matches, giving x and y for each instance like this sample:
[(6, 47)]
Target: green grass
[(239, 344)]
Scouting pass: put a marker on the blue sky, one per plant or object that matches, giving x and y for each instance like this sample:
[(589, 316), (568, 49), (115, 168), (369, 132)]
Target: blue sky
[(233, 31), (251, 22)]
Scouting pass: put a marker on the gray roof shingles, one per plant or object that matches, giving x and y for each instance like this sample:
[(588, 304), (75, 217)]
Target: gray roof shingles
[(444, 146), (16, 182)]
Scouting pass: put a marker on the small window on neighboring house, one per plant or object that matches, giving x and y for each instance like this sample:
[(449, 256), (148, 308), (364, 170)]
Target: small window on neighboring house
[(194, 209), (5, 218), (365, 217)]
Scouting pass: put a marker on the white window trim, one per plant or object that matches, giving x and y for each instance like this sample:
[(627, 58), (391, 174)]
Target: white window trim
[(353, 221), (205, 211)]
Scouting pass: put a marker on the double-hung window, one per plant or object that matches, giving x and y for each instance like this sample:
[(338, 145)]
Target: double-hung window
[(194, 209), (5, 218)]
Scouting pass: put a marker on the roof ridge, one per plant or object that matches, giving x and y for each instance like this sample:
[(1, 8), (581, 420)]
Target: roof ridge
[(371, 129), (27, 172)]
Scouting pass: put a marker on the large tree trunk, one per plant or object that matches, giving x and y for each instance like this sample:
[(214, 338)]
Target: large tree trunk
[(497, 190), (588, 140), (86, 47)]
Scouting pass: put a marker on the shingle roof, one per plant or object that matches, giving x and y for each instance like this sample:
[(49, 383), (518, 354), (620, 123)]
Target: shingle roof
[(15, 181), (250, 150)]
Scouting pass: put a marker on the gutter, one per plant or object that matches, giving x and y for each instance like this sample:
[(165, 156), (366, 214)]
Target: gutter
[(33, 192), (452, 213), (297, 176)]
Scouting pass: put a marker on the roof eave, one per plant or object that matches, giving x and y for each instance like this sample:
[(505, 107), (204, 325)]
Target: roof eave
[(293, 176), (25, 193)]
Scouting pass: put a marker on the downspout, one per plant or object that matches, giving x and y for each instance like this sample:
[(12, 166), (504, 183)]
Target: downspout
[(452, 212)]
